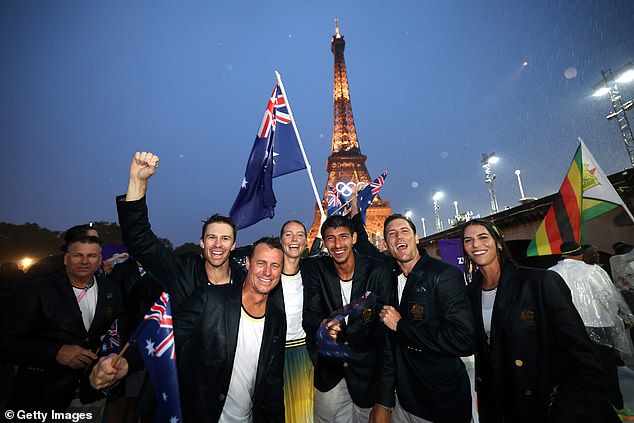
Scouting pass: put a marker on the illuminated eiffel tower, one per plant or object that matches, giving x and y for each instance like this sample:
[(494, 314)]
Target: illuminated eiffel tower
[(346, 164)]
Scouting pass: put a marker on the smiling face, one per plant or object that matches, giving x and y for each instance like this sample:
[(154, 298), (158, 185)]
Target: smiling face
[(264, 269), (339, 243), (217, 244), (402, 241), (480, 246), (293, 239)]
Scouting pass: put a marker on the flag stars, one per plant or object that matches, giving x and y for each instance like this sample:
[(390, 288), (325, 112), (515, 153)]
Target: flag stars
[(244, 183), (149, 346), (173, 419), (165, 396)]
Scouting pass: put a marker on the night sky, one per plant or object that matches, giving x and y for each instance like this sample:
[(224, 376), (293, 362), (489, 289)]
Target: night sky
[(433, 85)]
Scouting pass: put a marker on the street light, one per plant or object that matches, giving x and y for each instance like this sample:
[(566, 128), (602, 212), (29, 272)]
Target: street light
[(436, 196), (523, 198), (608, 85), (487, 161), (408, 214)]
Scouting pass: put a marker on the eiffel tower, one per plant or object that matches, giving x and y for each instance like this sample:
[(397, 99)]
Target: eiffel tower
[(346, 164)]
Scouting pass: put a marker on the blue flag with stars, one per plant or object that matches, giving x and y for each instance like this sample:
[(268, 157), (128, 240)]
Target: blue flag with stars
[(155, 338), (367, 194), (111, 343), (275, 152)]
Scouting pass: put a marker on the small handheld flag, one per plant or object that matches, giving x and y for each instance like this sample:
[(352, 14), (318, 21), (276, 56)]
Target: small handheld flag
[(111, 343), (155, 337)]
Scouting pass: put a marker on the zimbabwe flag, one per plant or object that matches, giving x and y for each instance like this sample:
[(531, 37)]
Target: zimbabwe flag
[(585, 193)]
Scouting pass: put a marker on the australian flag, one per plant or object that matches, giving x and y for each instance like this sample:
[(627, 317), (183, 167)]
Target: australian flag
[(275, 152), (334, 201), (111, 342), (155, 338), (367, 194)]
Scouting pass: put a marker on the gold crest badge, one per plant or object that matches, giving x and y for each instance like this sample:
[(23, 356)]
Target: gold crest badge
[(366, 315), (527, 316), (417, 311)]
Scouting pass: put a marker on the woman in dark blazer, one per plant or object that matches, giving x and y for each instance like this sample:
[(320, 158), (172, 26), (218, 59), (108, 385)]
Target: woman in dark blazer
[(534, 360)]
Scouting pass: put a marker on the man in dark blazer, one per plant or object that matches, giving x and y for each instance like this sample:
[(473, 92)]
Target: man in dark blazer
[(55, 327), (432, 326), (353, 389), (180, 274), (230, 347)]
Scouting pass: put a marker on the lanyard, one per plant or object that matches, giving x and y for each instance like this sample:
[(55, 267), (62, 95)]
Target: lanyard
[(84, 291)]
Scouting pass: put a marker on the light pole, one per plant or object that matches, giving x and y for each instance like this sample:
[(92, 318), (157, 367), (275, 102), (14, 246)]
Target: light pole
[(424, 228), (608, 85), (436, 196), (523, 198), (487, 161)]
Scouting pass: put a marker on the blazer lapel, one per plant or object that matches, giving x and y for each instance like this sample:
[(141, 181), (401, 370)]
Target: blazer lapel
[(268, 337), (66, 292), (475, 296), (332, 282), (233, 311), (507, 290), (359, 279)]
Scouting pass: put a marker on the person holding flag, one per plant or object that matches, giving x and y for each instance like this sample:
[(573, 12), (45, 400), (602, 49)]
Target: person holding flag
[(355, 389), (55, 329), (229, 345)]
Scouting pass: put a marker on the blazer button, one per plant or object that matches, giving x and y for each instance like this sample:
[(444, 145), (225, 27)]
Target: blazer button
[(222, 397), (345, 364), (519, 363), (87, 339), (528, 392)]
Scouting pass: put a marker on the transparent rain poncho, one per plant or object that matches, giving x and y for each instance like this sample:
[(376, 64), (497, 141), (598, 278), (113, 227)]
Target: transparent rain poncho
[(600, 305), (622, 267)]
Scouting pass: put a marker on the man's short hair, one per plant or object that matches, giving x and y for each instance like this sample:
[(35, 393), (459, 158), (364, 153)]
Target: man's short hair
[(292, 221), (74, 233), (218, 218), (394, 217), (84, 239), (336, 221), (271, 242)]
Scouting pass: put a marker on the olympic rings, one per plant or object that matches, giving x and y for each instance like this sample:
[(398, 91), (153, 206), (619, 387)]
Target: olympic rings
[(346, 189)]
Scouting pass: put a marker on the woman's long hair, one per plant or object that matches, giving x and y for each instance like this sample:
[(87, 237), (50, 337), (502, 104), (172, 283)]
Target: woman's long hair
[(501, 251)]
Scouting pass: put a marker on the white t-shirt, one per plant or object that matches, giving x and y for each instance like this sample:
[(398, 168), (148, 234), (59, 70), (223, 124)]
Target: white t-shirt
[(88, 303), (346, 292), (488, 299), (238, 406), (402, 280), (293, 305)]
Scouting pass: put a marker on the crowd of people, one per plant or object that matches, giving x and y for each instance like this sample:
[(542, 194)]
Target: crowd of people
[(275, 333)]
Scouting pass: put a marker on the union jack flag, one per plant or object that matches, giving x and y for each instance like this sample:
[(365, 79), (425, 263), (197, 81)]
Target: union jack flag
[(378, 183), (333, 197), (111, 342), (155, 337), (367, 194), (334, 202), (276, 111)]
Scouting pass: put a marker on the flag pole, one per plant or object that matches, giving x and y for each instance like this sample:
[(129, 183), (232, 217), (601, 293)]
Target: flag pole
[(301, 146)]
